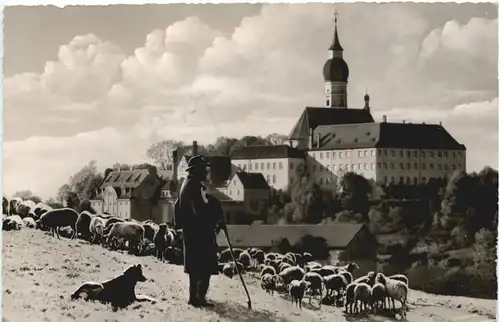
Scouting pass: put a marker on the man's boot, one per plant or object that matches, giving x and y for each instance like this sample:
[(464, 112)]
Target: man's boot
[(203, 284), (193, 291)]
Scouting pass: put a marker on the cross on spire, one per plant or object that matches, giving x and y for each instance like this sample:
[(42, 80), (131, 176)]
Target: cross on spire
[(336, 13)]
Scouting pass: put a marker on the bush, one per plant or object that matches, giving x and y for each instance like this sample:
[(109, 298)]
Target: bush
[(317, 246)]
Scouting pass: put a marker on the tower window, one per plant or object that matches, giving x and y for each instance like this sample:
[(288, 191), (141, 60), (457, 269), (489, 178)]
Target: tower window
[(327, 102)]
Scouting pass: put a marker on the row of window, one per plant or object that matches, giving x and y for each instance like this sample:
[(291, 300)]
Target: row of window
[(264, 166), (347, 167), (403, 180), (392, 153), (423, 166), (423, 154)]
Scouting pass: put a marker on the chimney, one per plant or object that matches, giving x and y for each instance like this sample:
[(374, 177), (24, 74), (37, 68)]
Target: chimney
[(174, 168), (423, 123), (440, 124), (404, 122), (310, 145), (317, 140), (384, 118), (195, 148)]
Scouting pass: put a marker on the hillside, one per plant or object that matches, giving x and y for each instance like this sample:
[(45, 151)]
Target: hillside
[(39, 272)]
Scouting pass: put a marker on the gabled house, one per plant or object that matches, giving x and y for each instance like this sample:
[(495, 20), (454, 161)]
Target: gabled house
[(128, 194)]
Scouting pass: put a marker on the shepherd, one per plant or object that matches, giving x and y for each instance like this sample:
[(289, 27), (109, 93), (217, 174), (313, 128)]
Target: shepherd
[(199, 221)]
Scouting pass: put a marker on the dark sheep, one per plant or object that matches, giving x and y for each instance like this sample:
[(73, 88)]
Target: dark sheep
[(161, 242), (150, 230), (130, 232), (59, 218), (113, 220)]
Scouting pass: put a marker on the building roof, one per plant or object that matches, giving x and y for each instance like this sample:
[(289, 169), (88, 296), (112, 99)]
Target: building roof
[(336, 235), (221, 196), (252, 180), (220, 169), (313, 117), (384, 135), (253, 152), (125, 179)]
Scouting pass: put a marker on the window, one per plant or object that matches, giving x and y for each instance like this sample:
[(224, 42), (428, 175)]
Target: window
[(238, 192), (373, 153), (348, 154), (408, 180), (280, 164), (385, 179), (365, 166), (328, 155), (392, 153), (392, 166), (365, 154), (320, 180), (459, 166), (267, 178), (408, 154), (250, 166), (431, 154), (452, 167), (379, 165), (445, 167), (274, 178), (423, 166), (385, 166), (439, 154), (439, 167), (415, 166), (401, 153), (392, 179), (431, 166), (445, 154), (244, 167), (380, 152), (320, 168), (453, 155), (401, 180), (256, 166), (373, 166), (415, 180), (274, 165), (424, 179), (359, 154), (422, 154), (291, 165), (408, 166), (340, 155), (262, 166), (327, 181), (333, 155), (268, 166), (234, 183), (353, 167), (359, 166), (313, 155), (415, 154), (321, 155), (401, 166)]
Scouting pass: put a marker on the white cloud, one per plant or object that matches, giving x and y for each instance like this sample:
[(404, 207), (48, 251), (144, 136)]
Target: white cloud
[(190, 81)]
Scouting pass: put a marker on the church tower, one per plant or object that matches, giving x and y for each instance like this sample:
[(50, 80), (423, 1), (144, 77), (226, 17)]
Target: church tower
[(336, 73)]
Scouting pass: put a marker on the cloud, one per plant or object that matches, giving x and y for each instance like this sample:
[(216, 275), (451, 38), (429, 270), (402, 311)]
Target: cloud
[(191, 81)]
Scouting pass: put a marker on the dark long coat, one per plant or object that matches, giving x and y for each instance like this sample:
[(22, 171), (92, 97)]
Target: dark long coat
[(198, 218)]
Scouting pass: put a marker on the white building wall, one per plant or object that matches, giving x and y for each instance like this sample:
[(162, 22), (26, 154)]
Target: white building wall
[(124, 208), (279, 173), (418, 166), (97, 205)]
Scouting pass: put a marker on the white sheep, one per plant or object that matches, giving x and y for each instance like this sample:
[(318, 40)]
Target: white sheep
[(368, 279), (29, 222), (378, 296), (270, 283), (400, 277), (335, 282), (397, 290), (266, 269), (292, 273), (316, 282), (297, 290), (349, 297), (362, 293), (283, 266)]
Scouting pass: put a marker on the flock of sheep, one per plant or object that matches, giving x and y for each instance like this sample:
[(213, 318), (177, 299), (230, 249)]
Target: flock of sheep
[(293, 273)]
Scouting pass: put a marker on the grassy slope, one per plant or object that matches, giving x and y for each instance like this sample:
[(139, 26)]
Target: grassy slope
[(39, 272)]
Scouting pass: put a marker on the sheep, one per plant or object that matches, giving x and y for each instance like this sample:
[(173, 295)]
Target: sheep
[(351, 267), (324, 271), (283, 266), (245, 259), (129, 231), (59, 218), (297, 289), (368, 279), (335, 282), (349, 297), (378, 296), (292, 273), (96, 228), (83, 225), (160, 241), (228, 270), (400, 277), (397, 290), (316, 284), (12, 222), (347, 275), (267, 270), (269, 282), (149, 230), (259, 256), (362, 293), (270, 256), (225, 255), (306, 258), (29, 222)]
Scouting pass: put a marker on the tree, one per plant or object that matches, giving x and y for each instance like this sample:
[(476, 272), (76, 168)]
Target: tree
[(223, 146), (161, 153), (27, 195), (250, 140), (121, 166), (356, 191), (276, 138)]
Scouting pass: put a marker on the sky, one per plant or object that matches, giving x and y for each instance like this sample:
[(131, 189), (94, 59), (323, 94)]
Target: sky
[(105, 82)]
